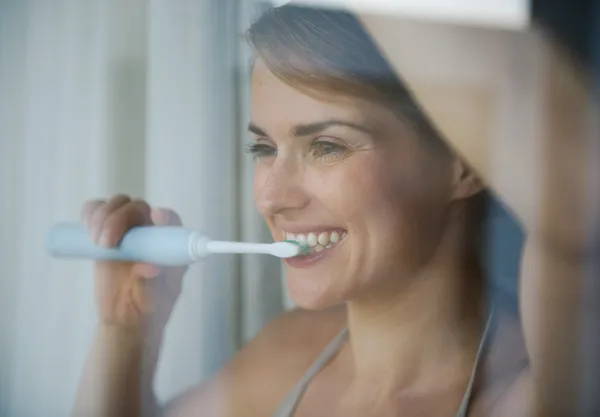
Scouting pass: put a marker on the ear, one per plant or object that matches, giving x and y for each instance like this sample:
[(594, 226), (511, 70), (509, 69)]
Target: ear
[(465, 181)]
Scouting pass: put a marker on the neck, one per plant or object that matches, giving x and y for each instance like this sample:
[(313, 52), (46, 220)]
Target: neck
[(420, 337)]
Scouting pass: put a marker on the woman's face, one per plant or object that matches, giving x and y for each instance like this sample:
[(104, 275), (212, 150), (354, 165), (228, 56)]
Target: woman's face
[(352, 180)]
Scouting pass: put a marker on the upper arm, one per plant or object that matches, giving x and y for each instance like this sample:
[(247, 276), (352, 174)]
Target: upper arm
[(560, 311), (261, 374), (517, 108)]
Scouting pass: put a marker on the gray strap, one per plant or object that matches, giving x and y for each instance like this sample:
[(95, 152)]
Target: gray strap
[(292, 400), (289, 405), (466, 401)]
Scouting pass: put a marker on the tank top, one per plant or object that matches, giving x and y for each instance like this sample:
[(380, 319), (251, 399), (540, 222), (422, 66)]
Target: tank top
[(292, 400)]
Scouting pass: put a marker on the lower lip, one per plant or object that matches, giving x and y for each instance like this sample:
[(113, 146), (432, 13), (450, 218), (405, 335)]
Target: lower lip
[(309, 260)]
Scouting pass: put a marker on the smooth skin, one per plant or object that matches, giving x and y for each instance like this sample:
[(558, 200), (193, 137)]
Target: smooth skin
[(415, 319)]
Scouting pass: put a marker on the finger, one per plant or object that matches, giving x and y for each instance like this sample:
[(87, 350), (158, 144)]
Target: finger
[(146, 270), (119, 221), (88, 209), (102, 212), (165, 217)]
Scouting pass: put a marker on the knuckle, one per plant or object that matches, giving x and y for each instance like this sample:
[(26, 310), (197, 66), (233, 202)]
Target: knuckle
[(120, 198), (89, 207), (99, 213), (102, 211), (136, 213), (141, 205)]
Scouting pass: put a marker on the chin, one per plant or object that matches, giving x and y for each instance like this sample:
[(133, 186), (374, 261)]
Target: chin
[(310, 295)]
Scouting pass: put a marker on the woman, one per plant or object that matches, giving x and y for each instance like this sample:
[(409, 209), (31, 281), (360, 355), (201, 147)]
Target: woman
[(393, 318)]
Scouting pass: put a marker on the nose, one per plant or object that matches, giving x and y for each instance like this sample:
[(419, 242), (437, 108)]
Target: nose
[(278, 189)]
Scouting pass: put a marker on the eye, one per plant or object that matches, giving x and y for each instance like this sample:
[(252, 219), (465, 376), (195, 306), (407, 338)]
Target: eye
[(260, 150), (323, 149)]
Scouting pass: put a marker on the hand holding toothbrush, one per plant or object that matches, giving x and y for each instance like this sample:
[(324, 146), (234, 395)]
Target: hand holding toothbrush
[(131, 294), (128, 240)]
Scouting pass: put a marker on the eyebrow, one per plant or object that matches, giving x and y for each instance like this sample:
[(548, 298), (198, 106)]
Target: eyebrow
[(252, 128), (313, 128)]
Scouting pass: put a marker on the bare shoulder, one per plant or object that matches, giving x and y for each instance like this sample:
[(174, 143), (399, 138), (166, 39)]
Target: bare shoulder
[(257, 379), (503, 383)]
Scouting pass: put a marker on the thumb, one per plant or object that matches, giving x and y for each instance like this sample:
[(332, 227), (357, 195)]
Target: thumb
[(165, 217)]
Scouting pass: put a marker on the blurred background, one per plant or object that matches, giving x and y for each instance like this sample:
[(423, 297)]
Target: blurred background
[(148, 98)]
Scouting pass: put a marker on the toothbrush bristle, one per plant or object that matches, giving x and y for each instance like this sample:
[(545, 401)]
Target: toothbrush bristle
[(304, 249)]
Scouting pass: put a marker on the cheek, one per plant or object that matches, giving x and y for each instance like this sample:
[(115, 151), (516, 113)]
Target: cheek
[(369, 187), (348, 187), (390, 205), (259, 176)]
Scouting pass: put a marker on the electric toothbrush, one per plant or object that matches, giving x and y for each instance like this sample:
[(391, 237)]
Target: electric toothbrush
[(157, 245)]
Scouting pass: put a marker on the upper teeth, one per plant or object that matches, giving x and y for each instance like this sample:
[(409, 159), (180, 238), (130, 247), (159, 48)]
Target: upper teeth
[(313, 239)]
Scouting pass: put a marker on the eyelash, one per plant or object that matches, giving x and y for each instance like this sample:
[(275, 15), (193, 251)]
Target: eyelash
[(260, 150)]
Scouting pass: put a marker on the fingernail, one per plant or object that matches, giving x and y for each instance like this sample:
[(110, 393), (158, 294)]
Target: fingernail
[(104, 239), (94, 234)]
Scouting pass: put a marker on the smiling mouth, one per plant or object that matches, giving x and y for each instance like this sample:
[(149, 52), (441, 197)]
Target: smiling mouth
[(316, 242)]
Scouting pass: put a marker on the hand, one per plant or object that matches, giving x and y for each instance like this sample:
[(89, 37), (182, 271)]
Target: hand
[(131, 294)]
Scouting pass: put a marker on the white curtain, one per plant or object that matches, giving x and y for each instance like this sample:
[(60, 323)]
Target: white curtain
[(142, 97)]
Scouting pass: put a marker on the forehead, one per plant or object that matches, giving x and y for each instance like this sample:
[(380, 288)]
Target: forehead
[(275, 102)]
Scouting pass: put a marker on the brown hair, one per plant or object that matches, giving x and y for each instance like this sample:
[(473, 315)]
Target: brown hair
[(318, 50)]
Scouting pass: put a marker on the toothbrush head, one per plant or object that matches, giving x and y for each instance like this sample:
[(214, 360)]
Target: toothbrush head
[(304, 249), (289, 249)]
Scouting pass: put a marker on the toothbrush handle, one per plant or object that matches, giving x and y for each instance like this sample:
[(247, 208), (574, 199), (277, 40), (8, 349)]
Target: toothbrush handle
[(158, 245)]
